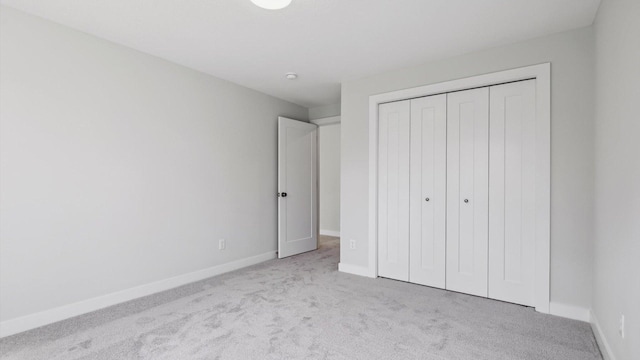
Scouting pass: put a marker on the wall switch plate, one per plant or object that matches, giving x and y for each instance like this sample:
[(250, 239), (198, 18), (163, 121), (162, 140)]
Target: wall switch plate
[(621, 330), (222, 244), (352, 244)]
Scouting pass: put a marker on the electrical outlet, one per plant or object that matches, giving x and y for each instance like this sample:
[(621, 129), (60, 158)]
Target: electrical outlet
[(222, 244), (621, 330), (352, 244)]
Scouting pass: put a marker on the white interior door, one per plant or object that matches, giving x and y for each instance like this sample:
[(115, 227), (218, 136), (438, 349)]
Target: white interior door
[(393, 190), (512, 192), (428, 190), (467, 191), (297, 187)]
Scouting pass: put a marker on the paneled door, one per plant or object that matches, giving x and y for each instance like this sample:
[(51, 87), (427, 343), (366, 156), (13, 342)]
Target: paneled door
[(297, 187), (512, 192), (393, 190), (428, 190), (467, 191)]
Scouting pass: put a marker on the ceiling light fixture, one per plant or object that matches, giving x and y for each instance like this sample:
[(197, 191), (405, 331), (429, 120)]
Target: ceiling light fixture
[(291, 76), (272, 4)]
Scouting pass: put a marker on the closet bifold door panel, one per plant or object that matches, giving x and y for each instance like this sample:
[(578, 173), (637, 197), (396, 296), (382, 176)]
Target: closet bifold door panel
[(467, 191), (512, 192), (393, 190), (428, 190)]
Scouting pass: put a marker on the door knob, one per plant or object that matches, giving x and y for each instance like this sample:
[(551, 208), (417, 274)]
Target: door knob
[(427, 199), (284, 194), (466, 200)]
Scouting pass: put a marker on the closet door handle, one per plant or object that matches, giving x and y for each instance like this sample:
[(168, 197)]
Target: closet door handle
[(427, 199), (466, 200)]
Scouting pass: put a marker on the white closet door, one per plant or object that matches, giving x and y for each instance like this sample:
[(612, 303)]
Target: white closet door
[(393, 190), (467, 190), (428, 190), (512, 200)]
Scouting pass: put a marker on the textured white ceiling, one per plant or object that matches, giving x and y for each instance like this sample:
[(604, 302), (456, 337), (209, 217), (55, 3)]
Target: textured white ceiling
[(325, 41)]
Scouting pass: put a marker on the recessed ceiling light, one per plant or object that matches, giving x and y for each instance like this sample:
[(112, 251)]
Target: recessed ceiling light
[(291, 76), (272, 4)]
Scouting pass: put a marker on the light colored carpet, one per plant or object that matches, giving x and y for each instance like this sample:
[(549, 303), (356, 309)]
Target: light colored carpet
[(303, 308)]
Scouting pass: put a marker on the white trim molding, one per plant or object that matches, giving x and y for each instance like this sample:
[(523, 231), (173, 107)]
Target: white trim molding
[(327, 121), (569, 311), (32, 321), (542, 74), (330, 232), (355, 270), (603, 344)]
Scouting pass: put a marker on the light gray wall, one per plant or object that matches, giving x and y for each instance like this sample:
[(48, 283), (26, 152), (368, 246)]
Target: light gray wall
[(572, 149), (119, 169), (320, 112), (616, 288), (329, 162)]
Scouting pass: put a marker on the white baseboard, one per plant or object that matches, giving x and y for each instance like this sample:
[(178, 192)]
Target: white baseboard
[(355, 270), (569, 311), (32, 321), (605, 349), (330, 232)]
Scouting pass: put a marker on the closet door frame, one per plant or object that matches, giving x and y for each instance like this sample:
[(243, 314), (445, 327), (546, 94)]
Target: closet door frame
[(542, 74)]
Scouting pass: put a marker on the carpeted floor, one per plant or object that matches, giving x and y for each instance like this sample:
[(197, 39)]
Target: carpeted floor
[(303, 308)]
